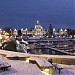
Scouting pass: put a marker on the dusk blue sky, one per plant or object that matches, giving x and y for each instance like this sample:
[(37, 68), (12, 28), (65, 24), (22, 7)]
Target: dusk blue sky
[(60, 13)]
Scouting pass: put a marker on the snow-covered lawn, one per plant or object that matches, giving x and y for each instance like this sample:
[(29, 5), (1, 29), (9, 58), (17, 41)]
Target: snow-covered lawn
[(20, 68), (23, 68)]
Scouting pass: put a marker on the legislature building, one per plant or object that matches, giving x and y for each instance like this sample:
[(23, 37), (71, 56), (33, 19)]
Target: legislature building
[(36, 31)]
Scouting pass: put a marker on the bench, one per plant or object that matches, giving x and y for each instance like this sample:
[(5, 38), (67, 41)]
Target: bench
[(42, 63), (58, 67), (4, 66)]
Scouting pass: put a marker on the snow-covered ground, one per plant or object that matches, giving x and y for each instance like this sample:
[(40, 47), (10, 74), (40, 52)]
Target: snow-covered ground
[(20, 68), (24, 68)]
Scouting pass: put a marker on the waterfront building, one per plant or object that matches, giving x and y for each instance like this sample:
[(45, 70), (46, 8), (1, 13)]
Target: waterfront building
[(39, 31), (54, 32), (24, 31), (65, 32), (36, 31), (61, 32)]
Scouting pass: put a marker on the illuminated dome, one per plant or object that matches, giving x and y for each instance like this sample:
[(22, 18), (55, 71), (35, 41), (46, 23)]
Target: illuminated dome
[(38, 25)]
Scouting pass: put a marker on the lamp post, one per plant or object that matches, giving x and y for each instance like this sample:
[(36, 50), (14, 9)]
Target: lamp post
[(10, 32), (22, 32)]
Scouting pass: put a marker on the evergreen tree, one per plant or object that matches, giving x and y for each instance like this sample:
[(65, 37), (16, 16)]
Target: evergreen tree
[(19, 33), (10, 46), (50, 30)]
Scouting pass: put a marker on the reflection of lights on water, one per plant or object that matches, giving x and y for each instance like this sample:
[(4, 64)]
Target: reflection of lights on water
[(59, 36), (71, 36), (33, 36), (52, 36)]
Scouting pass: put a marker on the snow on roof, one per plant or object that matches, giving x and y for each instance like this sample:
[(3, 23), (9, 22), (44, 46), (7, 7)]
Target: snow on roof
[(41, 61), (18, 55), (12, 54)]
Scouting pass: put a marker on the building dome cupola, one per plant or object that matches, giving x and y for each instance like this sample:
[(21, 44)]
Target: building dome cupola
[(37, 23)]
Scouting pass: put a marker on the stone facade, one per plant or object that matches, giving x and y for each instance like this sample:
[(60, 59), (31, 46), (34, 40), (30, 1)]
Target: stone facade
[(37, 31)]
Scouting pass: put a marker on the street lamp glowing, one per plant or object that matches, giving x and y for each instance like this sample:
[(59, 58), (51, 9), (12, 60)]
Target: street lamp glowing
[(0, 37), (11, 32)]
